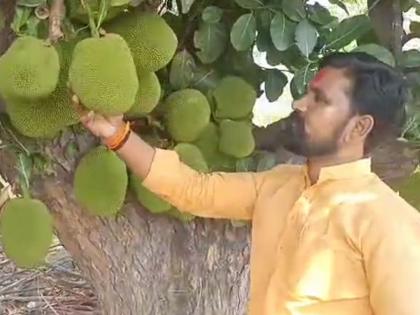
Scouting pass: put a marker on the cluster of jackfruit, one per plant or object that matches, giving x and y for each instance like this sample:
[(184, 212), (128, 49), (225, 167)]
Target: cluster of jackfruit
[(27, 231)]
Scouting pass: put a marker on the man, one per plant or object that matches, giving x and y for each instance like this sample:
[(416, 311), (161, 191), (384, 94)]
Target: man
[(329, 237)]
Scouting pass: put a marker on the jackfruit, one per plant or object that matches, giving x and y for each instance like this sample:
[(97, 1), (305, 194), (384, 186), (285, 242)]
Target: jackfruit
[(147, 198), (208, 143), (192, 156), (234, 98), (29, 69), (45, 117), (182, 216), (27, 231), (236, 138), (105, 87), (187, 114), (100, 182), (152, 41), (147, 97)]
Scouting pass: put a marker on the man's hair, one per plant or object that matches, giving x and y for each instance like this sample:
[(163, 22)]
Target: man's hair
[(378, 90)]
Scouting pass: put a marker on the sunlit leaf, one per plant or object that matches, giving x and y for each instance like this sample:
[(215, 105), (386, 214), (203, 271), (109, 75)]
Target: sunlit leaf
[(282, 32), (348, 30), (182, 70), (244, 32), (306, 37)]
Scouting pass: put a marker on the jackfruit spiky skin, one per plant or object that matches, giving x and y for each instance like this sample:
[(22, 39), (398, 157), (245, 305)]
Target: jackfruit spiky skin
[(187, 114), (148, 95), (29, 69), (234, 98), (45, 117), (147, 198), (236, 138), (192, 156), (103, 75), (27, 231), (208, 143), (100, 182), (151, 40)]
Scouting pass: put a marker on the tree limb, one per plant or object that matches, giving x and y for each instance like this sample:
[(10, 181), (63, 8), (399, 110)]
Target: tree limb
[(57, 13), (398, 30)]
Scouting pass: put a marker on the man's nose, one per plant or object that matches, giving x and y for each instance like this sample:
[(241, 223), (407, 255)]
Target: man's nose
[(299, 105)]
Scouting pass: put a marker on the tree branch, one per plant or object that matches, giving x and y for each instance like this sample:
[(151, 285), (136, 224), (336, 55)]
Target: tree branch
[(397, 27), (57, 13)]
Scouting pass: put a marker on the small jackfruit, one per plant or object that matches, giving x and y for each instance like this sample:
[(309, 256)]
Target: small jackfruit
[(208, 143), (100, 182), (234, 98), (27, 231), (187, 114), (29, 69), (45, 117), (106, 87), (192, 156), (151, 40), (236, 138), (148, 199), (148, 95)]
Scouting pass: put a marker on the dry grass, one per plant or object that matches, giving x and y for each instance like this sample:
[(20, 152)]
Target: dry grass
[(56, 288)]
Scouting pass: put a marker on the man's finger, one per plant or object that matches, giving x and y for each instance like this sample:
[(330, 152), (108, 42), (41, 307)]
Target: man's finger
[(78, 106)]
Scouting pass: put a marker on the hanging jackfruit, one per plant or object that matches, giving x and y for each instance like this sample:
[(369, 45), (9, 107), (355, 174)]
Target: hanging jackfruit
[(27, 231), (29, 69), (187, 114), (147, 97), (192, 156), (148, 199), (151, 39), (236, 138), (100, 182), (109, 88), (234, 97)]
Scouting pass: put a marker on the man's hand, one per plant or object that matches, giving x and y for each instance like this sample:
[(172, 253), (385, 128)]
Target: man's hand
[(100, 126)]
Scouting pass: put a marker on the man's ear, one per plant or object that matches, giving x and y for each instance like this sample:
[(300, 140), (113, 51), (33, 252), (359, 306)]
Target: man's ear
[(363, 126)]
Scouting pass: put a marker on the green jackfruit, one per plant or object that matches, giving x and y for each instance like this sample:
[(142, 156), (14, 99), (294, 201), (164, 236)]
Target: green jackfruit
[(208, 143), (148, 95), (234, 97), (187, 114), (151, 40), (29, 69), (100, 182), (236, 138), (27, 231), (106, 87), (147, 198), (192, 156), (46, 117)]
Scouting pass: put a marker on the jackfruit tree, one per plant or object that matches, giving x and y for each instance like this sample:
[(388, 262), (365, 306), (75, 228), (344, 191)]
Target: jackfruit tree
[(189, 76)]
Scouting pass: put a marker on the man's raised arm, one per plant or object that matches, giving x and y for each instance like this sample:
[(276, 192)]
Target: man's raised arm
[(215, 195)]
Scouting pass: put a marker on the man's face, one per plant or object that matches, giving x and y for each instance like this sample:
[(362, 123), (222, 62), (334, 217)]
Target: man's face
[(318, 123)]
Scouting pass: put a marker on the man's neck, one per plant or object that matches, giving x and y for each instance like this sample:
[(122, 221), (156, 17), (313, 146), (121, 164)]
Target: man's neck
[(315, 164)]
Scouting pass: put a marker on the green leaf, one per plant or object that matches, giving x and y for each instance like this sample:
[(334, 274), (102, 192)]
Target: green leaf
[(341, 5), (409, 189), (320, 15), (300, 80), (264, 18), (266, 162), (415, 27), (212, 14), (294, 9), (377, 51), (250, 4), (275, 82), (348, 30), (31, 3), (244, 32), (186, 5), (246, 164), (117, 3), (20, 19), (306, 36), (103, 11), (282, 32), (182, 70), (410, 59), (32, 26), (210, 39)]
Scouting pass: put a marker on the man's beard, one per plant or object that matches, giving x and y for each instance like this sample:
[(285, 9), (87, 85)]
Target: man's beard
[(294, 139)]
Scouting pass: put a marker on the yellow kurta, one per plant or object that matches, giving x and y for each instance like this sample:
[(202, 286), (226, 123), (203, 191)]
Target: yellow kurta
[(346, 245)]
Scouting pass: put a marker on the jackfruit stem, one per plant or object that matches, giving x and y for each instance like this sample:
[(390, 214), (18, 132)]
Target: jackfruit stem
[(93, 29), (57, 14)]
